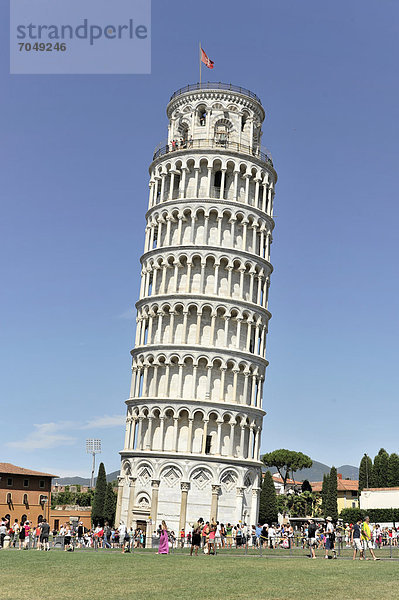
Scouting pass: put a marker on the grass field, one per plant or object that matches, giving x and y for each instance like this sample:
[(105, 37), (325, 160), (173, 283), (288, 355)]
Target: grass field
[(111, 575)]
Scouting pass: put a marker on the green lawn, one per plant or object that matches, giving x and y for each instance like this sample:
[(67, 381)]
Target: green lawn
[(111, 575)]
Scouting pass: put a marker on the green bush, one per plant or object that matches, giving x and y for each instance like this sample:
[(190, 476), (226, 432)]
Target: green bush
[(377, 515)]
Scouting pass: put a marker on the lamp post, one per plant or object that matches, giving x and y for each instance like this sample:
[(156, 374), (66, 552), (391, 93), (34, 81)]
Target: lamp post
[(93, 446)]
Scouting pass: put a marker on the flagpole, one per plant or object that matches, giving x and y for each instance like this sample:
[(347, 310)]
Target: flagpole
[(200, 70)]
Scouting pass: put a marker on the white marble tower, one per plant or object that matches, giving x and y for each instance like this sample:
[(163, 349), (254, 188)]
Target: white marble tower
[(194, 415)]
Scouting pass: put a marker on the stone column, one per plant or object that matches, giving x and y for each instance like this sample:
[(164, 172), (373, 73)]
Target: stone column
[(209, 181), (239, 499), (222, 383), (185, 486), (180, 381), (190, 435), (175, 433), (184, 333), (196, 179), (256, 449), (216, 286), (179, 229), (121, 481), (247, 177), (242, 438), (132, 487), (238, 336), (221, 195), (127, 432), (171, 326), (236, 173), (194, 387), (139, 445), (255, 504), (154, 500), (162, 431), (188, 283), (163, 175), (232, 435), (154, 281), (206, 227), (205, 432), (214, 502), (235, 376), (219, 438), (183, 182)]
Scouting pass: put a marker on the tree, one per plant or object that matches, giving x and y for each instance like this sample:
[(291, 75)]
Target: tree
[(365, 472), (97, 511), (331, 500), (324, 493), (110, 504), (268, 501), (306, 487), (286, 462), (393, 470), (380, 469)]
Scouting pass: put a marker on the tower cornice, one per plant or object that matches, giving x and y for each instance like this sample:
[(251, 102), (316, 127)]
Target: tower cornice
[(210, 203), (221, 252), (199, 350), (215, 301)]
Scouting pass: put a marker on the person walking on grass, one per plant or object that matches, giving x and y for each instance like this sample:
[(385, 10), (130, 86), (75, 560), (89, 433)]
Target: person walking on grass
[(163, 540), (196, 538), (312, 529), (366, 538), (330, 538), (355, 539)]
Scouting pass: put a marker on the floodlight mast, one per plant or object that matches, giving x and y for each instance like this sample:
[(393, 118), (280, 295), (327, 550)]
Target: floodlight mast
[(93, 446)]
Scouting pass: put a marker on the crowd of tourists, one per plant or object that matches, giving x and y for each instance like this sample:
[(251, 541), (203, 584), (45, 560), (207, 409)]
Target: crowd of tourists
[(360, 535), (208, 536), (23, 535)]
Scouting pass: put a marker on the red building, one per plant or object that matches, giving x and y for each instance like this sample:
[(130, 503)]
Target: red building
[(24, 494)]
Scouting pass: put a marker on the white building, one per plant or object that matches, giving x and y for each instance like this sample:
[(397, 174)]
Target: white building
[(194, 415), (379, 498)]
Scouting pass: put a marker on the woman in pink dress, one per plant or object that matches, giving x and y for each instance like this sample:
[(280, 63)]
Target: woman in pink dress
[(163, 540)]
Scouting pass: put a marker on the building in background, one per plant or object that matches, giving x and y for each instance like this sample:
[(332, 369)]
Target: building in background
[(379, 498), (194, 415), (347, 492), (64, 514), (291, 486), (24, 494)]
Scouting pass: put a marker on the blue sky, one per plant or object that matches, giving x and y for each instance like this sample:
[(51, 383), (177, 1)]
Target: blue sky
[(74, 159)]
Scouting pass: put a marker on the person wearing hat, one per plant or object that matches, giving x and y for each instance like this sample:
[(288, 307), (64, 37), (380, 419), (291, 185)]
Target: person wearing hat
[(330, 538)]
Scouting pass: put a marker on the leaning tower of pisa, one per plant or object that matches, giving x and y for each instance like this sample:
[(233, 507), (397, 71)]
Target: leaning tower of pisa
[(194, 414)]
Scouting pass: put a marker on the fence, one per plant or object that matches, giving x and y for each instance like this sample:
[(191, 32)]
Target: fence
[(197, 144), (295, 547)]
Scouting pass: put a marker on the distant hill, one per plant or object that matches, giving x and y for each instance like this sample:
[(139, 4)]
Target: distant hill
[(82, 481), (316, 472)]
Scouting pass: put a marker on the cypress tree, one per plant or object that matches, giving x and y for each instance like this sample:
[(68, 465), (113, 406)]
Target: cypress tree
[(306, 487), (365, 473), (331, 502), (268, 501), (324, 492), (380, 469), (110, 504), (393, 470), (97, 510)]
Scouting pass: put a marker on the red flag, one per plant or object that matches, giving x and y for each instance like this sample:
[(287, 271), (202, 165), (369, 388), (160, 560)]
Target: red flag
[(207, 61)]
